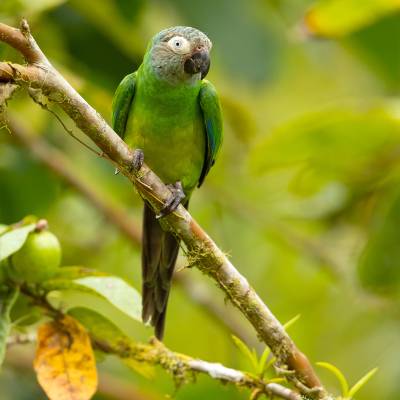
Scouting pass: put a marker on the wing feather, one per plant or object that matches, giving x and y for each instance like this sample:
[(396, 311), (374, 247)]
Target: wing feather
[(211, 108), (122, 103)]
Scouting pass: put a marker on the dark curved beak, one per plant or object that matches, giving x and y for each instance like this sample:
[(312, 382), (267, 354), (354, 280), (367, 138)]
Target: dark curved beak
[(198, 62)]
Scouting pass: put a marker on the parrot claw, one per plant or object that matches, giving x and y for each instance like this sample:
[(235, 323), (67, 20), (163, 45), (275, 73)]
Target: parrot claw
[(173, 202), (138, 160)]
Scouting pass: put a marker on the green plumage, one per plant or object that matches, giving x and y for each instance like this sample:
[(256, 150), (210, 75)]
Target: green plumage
[(169, 112)]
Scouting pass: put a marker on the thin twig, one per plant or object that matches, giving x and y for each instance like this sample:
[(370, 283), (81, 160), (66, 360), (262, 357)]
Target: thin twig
[(58, 118)]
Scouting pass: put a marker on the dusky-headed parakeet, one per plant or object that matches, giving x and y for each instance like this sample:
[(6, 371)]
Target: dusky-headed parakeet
[(173, 116)]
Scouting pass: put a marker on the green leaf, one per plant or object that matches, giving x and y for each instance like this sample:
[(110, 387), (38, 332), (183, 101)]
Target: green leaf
[(12, 241), (117, 292), (263, 361), (336, 18), (7, 302), (339, 375), (291, 322), (362, 382), (100, 328), (113, 297), (251, 355), (269, 363)]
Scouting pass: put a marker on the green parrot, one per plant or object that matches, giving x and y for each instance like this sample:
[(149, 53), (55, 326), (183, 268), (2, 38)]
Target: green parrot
[(172, 117)]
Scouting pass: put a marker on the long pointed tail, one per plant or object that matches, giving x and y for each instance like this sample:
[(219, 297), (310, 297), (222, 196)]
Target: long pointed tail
[(159, 253)]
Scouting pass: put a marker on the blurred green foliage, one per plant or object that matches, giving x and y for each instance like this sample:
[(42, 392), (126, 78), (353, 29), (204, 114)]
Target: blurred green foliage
[(304, 197)]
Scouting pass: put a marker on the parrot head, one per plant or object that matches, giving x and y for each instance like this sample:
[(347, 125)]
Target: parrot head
[(180, 54)]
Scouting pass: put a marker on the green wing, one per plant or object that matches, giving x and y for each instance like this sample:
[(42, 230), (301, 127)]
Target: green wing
[(122, 103), (211, 109)]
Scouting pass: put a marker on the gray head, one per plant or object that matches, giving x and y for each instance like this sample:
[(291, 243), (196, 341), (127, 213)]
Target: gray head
[(180, 54)]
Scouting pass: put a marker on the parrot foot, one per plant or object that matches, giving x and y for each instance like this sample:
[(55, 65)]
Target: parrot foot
[(138, 160), (173, 202)]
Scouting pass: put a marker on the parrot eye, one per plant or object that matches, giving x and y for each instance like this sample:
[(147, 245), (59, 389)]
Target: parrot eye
[(179, 44)]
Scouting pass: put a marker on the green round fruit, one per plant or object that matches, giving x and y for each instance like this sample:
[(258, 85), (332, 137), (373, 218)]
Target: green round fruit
[(38, 259)]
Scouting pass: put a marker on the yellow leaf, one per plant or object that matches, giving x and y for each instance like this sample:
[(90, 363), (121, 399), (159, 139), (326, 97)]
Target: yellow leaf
[(335, 18), (64, 363)]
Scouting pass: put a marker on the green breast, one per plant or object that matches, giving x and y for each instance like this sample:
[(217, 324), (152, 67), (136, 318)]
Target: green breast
[(166, 123)]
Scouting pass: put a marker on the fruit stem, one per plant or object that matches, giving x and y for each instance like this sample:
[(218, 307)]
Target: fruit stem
[(41, 225)]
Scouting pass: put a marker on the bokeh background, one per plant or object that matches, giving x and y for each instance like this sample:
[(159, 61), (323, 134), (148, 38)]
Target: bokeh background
[(304, 198)]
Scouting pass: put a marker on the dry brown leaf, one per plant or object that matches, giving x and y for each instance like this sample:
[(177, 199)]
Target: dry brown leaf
[(64, 363)]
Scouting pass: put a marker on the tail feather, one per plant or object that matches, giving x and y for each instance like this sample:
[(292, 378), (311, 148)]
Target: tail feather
[(159, 253)]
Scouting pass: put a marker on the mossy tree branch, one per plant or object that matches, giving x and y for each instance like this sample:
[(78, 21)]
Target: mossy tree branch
[(203, 252), (183, 368)]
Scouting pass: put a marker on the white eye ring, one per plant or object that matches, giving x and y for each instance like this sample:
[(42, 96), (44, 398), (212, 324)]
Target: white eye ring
[(179, 45)]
